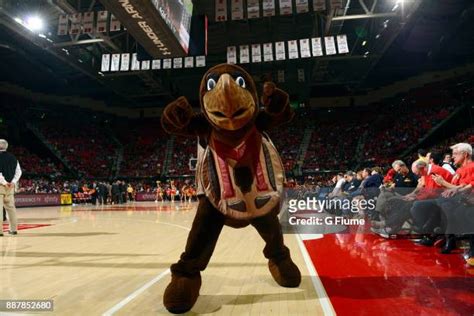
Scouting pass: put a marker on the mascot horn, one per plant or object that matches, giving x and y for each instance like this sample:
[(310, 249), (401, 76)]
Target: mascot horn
[(239, 175)]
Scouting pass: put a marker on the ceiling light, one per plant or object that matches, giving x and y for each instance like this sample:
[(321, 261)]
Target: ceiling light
[(34, 23)]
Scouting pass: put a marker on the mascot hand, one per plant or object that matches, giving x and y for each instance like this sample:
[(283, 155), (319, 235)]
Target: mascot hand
[(179, 113), (273, 98)]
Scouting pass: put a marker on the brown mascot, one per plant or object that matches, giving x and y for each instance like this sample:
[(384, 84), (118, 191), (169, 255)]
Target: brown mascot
[(239, 175)]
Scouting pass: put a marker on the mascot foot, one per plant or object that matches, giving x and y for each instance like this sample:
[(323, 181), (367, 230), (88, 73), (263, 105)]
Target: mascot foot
[(181, 293), (285, 272)]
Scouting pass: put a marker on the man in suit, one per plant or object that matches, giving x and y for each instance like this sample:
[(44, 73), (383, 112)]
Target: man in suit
[(10, 173)]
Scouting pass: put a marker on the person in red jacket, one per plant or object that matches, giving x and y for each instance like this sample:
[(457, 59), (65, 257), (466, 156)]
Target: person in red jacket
[(429, 188)]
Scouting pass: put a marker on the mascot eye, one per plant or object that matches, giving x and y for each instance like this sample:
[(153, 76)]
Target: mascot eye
[(240, 81), (211, 83)]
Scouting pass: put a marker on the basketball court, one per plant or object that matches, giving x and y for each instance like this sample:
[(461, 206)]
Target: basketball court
[(114, 260)]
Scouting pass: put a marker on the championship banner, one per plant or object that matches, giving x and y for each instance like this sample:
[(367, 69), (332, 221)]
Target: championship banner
[(66, 199), (105, 64), (189, 62), (114, 24), (135, 62), (231, 55), (302, 6), (342, 46), (244, 54), (167, 63), (200, 61), (268, 8), (76, 22), (300, 75), (101, 22), (156, 64), (221, 10), (330, 45), (39, 199), (125, 62), (319, 5), (237, 9), (317, 46), (281, 76), (280, 50), (256, 53), (88, 22), (145, 65), (293, 49), (286, 7), (115, 66), (63, 25), (268, 52), (304, 48), (253, 9), (178, 63)]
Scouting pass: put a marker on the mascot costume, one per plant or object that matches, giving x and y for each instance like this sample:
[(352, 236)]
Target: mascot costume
[(239, 175)]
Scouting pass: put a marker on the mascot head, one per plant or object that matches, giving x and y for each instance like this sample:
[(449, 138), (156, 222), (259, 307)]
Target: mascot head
[(228, 97)]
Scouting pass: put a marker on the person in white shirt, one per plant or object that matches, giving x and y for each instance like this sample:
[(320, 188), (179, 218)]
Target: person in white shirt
[(10, 173)]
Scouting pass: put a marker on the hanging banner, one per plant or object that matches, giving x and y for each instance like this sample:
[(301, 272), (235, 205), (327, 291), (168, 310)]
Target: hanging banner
[(167, 63), (281, 76), (280, 50), (268, 8), (330, 45), (76, 23), (88, 22), (221, 10), (135, 62), (293, 49), (114, 24), (178, 63), (256, 53), (286, 7), (156, 64), (200, 61), (237, 9), (189, 62), (105, 64), (125, 62), (253, 9), (231, 55), (317, 46), (101, 21), (304, 48), (319, 5), (244, 54), (145, 65), (268, 52), (342, 46), (115, 62), (302, 6), (63, 25), (300, 75)]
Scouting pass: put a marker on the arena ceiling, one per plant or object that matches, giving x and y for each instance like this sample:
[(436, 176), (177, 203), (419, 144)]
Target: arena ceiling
[(429, 35)]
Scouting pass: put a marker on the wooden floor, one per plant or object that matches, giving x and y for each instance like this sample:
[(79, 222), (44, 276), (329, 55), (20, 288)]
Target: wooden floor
[(114, 261)]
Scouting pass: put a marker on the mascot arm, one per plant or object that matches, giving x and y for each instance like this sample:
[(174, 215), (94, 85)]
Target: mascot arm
[(179, 118), (276, 111)]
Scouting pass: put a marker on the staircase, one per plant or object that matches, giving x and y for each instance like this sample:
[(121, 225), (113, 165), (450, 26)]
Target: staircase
[(119, 153), (412, 148), (359, 156), (298, 169), (168, 155), (53, 150)]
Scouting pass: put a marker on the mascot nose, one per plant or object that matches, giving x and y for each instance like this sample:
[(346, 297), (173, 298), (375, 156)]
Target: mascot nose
[(230, 93)]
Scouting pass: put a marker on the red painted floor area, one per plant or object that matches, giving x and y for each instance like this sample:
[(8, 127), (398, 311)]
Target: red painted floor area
[(24, 226), (368, 275)]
